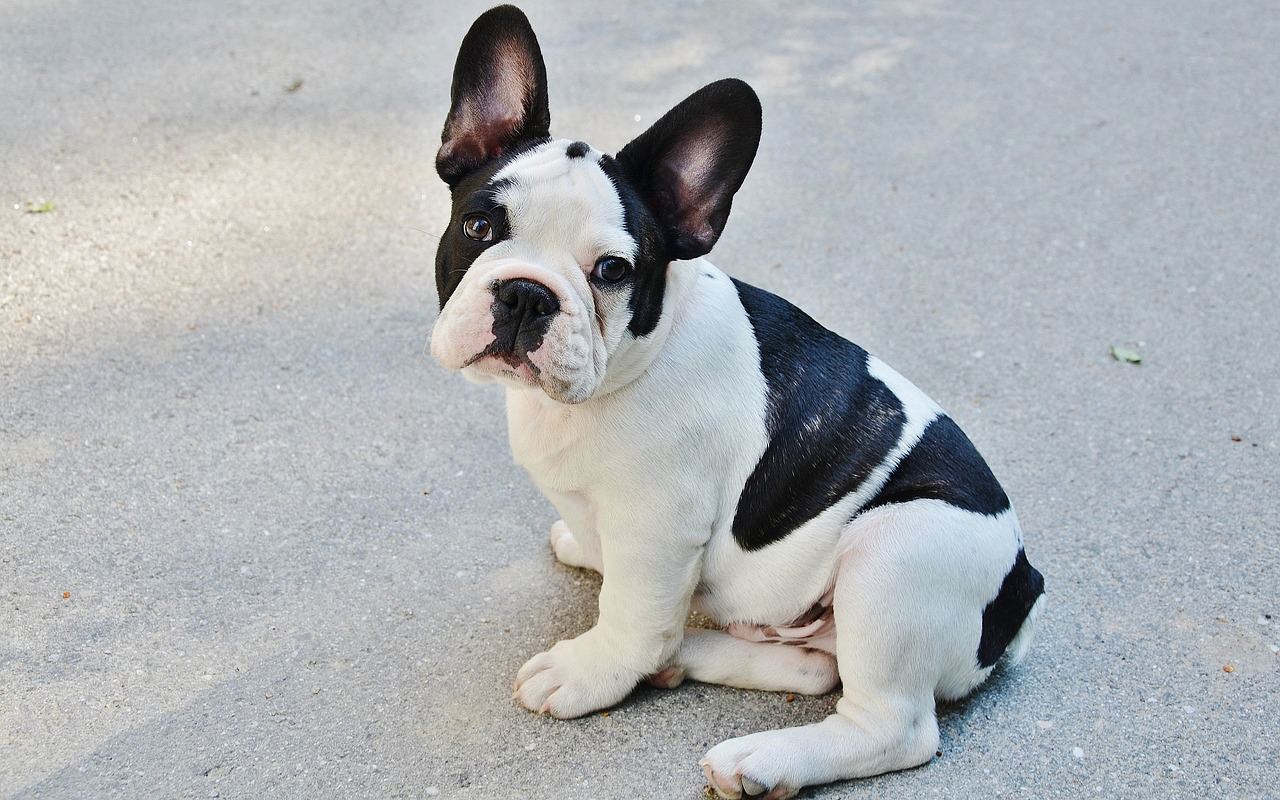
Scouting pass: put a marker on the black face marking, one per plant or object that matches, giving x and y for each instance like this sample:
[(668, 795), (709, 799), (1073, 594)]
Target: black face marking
[(830, 422), (522, 313), (478, 191), (577, 150), (1003, 616), (944, 465), (648, 278)]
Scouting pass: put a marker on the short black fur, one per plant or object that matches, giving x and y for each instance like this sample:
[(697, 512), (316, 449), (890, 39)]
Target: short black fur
[(476, 192), (649, 281), (829, 421), (944, 465), (1003, 616)]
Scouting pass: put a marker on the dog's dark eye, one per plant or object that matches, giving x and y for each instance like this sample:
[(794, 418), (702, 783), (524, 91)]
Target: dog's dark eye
[(478, 227), (610, 269)]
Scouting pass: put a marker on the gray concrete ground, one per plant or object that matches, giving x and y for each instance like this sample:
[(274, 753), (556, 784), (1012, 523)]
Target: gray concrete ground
[(253, 543)]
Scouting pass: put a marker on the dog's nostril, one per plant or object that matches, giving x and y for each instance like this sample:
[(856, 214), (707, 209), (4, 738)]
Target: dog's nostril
[(526, 298), (509, 294)]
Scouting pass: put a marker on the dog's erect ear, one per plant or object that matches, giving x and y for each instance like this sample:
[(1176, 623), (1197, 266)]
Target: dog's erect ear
[(499, 95), (691, 162)]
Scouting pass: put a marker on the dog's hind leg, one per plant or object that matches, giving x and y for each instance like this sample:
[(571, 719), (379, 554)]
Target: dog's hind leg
[(573, 538), (718, 657), (573, 551), (909, 598)]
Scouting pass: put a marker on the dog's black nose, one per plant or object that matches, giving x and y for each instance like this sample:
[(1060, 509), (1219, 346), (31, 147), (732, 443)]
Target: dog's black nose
[(526, 301), (522, 314)]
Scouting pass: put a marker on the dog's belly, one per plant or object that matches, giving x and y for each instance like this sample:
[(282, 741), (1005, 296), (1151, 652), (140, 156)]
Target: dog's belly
[(816, 628), (777, 586)]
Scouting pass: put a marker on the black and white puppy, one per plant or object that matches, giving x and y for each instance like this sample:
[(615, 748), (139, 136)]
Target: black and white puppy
[(707, 444)]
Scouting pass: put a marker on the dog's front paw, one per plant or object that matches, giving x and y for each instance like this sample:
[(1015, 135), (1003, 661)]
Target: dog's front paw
[(752, 766), (571, 679)]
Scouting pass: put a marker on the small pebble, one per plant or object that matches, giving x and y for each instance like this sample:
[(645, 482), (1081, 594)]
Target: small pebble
[(1228, 668), (66, 595), (791, 698), (431, 791), (1076, 752)]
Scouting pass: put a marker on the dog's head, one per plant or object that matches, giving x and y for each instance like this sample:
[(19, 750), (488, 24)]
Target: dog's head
[(555, 260)]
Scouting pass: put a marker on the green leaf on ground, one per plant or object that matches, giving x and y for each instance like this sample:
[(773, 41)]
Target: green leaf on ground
[(40, 208), (1125, 354)]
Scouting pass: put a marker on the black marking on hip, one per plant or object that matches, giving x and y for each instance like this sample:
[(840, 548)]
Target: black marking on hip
[(830, 422), (1003, 616), (943, 465), (577, 150)]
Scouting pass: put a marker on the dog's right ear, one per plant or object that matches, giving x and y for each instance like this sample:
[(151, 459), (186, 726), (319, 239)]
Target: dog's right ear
[(499, 96)]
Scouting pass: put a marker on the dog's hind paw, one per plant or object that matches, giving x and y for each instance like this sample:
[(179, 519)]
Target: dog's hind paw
[(569, 551)]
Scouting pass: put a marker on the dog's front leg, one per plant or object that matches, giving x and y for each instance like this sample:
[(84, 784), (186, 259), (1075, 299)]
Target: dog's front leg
[(651, 566)]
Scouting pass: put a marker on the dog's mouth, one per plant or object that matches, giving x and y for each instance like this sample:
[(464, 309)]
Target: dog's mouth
[(502, 361)]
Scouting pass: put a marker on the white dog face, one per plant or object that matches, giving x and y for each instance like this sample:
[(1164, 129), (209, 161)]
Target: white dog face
[(554, 262), (548, 297)]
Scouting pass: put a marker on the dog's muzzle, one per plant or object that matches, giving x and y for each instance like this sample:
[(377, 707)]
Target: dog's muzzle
[(522, 312)]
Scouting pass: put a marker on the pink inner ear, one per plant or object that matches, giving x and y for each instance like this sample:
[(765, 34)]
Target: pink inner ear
[(484, 121), (693, 161)]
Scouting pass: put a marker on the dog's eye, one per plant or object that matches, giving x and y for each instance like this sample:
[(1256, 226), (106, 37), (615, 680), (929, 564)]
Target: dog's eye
[(478, 227), (610, 269)]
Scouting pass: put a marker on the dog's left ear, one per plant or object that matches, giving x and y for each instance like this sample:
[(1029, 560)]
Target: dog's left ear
[(688, 166), (499, 95)]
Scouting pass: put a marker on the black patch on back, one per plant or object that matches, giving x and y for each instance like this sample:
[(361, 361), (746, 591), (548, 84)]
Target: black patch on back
[(812, 374), (943, 465), (577, 150), (649, 279), (1003, 616)]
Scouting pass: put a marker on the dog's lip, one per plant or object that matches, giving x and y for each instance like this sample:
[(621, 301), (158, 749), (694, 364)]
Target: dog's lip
[(505, 356), (514, 365)]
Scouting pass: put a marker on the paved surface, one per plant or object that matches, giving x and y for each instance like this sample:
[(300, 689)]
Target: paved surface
[(253, 543)]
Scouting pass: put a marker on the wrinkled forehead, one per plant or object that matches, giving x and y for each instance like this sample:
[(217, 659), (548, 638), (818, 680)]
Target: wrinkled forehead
[(557, 195)]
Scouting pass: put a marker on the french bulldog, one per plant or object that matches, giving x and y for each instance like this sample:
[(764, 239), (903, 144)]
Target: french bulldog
[(707, 444)]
